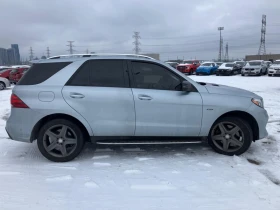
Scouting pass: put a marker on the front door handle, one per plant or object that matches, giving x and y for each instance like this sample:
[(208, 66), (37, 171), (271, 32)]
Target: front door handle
[(145, 97), (76, 95)]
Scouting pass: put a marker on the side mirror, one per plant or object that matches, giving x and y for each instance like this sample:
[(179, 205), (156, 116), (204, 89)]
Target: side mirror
[(187, 86)]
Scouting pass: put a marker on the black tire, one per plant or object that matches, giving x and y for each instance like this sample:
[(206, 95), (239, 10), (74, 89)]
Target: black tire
[(74, 128), (217, 74), (196, 74), (2, 86), (242, 75), (190, 72), (244, 127), (269, 75)]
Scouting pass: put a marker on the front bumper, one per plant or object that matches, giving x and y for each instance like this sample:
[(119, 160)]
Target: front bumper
[(274, 72), (261, 116), (223, 72), (203, 72), (251, 73)]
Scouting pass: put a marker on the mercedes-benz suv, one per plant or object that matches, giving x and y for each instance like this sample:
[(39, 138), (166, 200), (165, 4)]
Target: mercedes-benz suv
[(128, 99)]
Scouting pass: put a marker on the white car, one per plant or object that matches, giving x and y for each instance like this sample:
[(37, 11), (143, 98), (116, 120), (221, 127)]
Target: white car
[(4, 83), (274, 69), (254, 67)]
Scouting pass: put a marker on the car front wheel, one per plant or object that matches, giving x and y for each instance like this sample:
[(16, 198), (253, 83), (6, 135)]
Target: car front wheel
[(230, 136), (60, 140)]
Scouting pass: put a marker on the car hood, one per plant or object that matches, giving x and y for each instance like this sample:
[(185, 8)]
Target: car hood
[(253, 66), (275, 66), (224, 67), (227, 90), (184, 64), (205, 67)]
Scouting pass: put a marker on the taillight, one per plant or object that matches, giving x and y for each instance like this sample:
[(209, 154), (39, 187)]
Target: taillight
[(16, 102)]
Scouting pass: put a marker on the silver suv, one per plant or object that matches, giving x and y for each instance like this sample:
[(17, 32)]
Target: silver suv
[(127, 99)]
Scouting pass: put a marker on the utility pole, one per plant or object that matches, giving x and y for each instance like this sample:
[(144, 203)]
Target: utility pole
[(70, 45), (222, 53), (221, 43), (136, 42), (48, 52), (226, 55), (262, 50), (31, 53)]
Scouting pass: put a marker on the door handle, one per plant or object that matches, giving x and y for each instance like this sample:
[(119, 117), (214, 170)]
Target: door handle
[(145, 97), (76, 95)]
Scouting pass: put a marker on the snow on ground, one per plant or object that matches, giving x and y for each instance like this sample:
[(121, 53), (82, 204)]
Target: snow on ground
[(156, 177)]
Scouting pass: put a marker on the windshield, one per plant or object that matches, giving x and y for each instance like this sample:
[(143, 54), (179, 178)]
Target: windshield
[(229, 65), (188, 62), (14, 71), (206, 64), (254, 63), (276, 62)]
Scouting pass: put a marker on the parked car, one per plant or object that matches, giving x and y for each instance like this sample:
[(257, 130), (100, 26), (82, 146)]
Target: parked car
[(188, 67), (4, 83), (254, 67), (227, 69), (122, 99), (5, 72), (15, 74), (207, 68), (274, 69), (19, 76), (240, 65), (173, 64), (219, 63), (268, 63)]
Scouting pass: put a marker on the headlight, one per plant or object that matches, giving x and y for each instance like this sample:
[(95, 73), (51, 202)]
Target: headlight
[(258, 102)]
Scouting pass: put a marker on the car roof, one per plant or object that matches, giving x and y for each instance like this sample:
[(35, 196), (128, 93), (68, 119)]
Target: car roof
[(256, 61), (80, 57)]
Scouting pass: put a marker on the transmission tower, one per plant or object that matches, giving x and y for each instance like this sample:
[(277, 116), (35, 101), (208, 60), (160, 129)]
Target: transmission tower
[(222, 53), (48, 52), (221, 43), (70, 45), (31, 54), (87, 51), (262, 50), (226, 55), (136, 42)]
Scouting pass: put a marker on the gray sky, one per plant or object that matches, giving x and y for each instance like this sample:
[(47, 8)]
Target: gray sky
[(172, 28)]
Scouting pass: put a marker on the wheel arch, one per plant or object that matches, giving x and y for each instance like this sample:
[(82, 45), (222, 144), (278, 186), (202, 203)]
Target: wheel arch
[(245, 116), (41, 122)]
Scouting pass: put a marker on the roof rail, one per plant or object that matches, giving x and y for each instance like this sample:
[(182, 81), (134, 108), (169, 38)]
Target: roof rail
[(98, 54)]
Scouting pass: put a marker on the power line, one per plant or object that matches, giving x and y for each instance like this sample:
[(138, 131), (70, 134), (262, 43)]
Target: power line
[(263, 30), (31, 54), (70, 47), (48, 52), (136, 42)]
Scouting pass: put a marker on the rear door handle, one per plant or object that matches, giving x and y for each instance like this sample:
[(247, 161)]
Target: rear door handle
[(145, 97), (76, 95)]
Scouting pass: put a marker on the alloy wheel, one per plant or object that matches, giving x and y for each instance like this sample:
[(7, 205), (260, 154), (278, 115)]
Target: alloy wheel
[(227, 136), (2, 87), (60, 141)]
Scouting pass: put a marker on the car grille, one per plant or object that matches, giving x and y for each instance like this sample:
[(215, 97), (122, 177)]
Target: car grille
[(181, 68), (249, 69)]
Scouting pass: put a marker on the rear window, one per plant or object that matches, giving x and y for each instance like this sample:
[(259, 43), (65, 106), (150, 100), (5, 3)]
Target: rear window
[(40, 72)]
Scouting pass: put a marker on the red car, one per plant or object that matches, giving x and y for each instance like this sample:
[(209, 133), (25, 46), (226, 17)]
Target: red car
[(188, 67), (5, 72), (19, 76), (16, 74)]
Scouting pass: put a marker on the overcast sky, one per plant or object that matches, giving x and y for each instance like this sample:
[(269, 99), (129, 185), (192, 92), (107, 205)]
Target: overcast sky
[(172, 28)]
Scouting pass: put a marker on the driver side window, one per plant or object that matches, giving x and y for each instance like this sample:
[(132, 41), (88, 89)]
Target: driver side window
[(153, 76)]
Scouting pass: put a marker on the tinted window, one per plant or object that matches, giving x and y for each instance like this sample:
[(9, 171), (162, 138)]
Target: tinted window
[(229, 65), (40, 72), (206, 64), (100, 73), (81, 77), (153, 76), (107, 73)]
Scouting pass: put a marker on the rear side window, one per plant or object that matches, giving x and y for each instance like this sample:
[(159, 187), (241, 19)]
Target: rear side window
[(40, 72), (100, 73)]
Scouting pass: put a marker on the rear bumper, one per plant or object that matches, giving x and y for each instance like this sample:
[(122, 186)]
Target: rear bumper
[(20, 124)]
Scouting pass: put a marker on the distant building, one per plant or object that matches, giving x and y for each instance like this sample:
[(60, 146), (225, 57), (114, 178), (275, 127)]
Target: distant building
[(3, 57), (153, 55), (11, 56), (267, 57), (17, 55)]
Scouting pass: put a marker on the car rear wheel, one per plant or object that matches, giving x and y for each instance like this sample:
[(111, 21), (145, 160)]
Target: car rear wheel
[(230, 136), (60, 140), (2, 86)]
